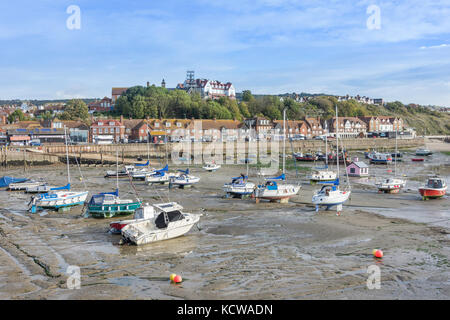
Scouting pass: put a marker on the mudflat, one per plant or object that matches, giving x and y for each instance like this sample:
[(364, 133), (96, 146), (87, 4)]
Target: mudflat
[(241, 250)]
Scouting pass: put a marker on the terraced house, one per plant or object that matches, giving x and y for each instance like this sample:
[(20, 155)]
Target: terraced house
[(383, 123), (107, 131)]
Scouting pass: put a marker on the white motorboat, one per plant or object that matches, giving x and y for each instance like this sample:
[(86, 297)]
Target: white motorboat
[(211, 167), (323, 176), (143, 213), (159, 176), (183, 179), (141, 174), (239, 186), (168, 222), (390, 185)]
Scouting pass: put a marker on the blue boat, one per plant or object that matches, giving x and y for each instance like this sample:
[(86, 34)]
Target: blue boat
[(6, 181)]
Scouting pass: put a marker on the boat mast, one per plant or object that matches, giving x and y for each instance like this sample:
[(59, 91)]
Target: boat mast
[(117, 168), (248, 145), (326, 151), (67, 156), (395, 157), (148, 149), (337, 141), (284, 138)]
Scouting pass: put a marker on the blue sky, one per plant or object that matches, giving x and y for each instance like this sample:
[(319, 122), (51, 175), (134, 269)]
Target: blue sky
[(267, 46)]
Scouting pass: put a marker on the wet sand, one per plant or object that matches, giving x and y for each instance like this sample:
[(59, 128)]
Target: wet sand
[(243, 250)]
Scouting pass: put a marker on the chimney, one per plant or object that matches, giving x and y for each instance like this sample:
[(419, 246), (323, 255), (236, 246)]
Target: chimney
[(121, 119), (148, 84)]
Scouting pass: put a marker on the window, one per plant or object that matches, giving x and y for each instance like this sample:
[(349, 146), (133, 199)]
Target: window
[(156, 124), (100, 123), (99, 130), (167, 124), (179, 124), (94, 130), (111, 123)]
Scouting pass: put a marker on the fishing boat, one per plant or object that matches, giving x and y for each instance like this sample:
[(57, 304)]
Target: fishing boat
[(6, 181), (61, 197), (307, 157), (109, 204), (342, 158), (160, 176), (239, 187), (168, 222), (211, 167), (380, 158), (145, 212), (332, 195), (184, 179), (390, 185), (436, 187), (423, 152), (124, 173)]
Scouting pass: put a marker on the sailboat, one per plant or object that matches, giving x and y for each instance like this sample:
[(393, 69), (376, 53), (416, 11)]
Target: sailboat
[(184, 179), (323, 175), (109, 204), (272, 190), (59, 198), (160, 176), (143, 170), (330, 196), (392, 185), (239, 187)]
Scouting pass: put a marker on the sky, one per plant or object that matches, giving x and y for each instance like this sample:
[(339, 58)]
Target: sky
[(266, 46)]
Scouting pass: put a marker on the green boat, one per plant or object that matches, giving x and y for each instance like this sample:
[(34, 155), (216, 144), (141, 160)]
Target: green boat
[(108, 205)]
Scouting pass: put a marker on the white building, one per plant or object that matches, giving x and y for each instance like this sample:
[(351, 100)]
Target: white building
[(208, 89)]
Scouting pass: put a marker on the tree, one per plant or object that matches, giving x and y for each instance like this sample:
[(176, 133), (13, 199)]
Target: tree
[(17, 115), (76, 109), (243, 108), (138, 106)]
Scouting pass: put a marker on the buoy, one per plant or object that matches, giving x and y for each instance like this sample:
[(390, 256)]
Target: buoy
[(177, 279), (172, 276), (378, 253)]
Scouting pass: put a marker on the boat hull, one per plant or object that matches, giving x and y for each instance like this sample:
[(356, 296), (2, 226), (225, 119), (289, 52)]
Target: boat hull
[(429, 193), (113, 210), (62, 202)]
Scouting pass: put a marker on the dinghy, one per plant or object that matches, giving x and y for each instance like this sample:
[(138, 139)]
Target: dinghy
[(168, 222)]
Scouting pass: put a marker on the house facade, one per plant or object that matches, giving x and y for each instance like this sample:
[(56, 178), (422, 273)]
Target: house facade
[(106, 131), (209, 89)]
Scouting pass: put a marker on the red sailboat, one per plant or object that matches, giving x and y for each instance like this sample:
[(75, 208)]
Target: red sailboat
[(436, 187)]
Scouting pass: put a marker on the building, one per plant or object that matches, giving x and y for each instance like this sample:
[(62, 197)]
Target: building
[(349, 127), (315, 127), (261, 127), (293, 127), (208, 89), (116, 93), (135, 129), (104, 105), (383, 123), (107, 131)]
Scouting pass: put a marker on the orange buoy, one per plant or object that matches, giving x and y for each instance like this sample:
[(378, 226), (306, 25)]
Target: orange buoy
[(177, 279), (172, 276), (378, 253)]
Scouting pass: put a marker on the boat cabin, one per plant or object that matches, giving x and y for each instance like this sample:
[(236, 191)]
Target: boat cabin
[(435, 183)]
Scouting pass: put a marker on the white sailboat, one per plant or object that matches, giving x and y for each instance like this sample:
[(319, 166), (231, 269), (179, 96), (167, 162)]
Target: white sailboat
[(184, 179), (323, 175), (392, 185), (211, 167), (272, 190), (160, 176), (330, 196), (60, 197), (163, 221)]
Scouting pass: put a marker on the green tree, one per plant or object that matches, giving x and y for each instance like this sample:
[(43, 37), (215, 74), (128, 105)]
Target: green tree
[(138, 107), (75, 109), (17, 115)]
